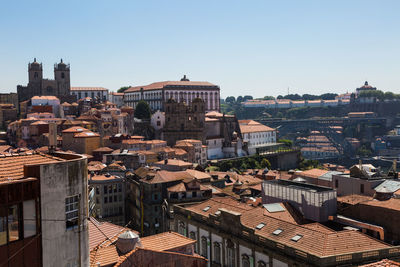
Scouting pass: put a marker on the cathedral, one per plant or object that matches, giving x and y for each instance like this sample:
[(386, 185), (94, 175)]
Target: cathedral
[(37, 86)]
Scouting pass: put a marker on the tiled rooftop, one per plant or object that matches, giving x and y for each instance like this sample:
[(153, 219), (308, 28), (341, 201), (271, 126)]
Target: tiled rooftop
[(160, 85), (382, 263), (166, 241), (12, 165), (315, 238)]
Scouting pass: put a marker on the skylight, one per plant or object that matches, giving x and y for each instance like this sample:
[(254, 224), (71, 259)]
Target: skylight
[(296, 238), (277, 231), (260, 226), (206, 208)]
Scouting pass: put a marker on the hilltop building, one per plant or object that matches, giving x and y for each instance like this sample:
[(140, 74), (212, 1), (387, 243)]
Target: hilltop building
[(157, 94), (38, 86)]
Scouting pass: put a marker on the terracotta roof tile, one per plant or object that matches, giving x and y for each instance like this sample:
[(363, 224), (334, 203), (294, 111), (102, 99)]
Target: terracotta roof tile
[(12, 166), (382, 263), (312, 236), (166, 241), (160, 85), (88, 89)]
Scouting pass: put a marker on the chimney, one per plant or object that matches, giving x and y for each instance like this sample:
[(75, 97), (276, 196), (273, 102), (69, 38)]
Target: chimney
[(127, 242), (52, 137)]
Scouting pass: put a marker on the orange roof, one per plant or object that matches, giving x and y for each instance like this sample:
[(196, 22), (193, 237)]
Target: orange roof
[(45, 97), (103, 149), (250, 126), (88, 89), (177, 188), (160, 85), (12, 166), (99, 232), (86, 134), (334, 242), (75, 129), (166, 241), (103, 178), (313, 173), (382, 263), (175, 162)]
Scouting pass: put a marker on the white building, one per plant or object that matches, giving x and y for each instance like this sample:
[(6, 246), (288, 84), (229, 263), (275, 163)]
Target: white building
[(93, 92), (158, 120), (52, 101), (117, 98), (156, 94), (256, 135)]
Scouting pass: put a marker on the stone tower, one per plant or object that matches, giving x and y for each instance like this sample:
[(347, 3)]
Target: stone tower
[(184, 121), (62, 78), (35, 71)]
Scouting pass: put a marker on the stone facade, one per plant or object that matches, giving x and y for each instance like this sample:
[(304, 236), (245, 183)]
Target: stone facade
[(184, 121), (37, 86), (158, 93)]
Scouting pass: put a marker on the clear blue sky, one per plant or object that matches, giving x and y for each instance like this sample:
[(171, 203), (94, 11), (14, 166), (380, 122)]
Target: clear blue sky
[(247, 47)]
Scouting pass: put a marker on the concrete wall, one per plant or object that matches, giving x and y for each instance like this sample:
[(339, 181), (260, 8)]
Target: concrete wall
[(57, 182), (349, 186)]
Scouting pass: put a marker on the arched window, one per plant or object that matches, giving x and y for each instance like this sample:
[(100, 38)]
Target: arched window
[(192, 235), (182, 228), (204, 247), (245, 260), (230, 251), (217, 252)]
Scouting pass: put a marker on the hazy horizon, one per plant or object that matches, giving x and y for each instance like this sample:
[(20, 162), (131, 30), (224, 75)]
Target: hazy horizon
[(259, 48)]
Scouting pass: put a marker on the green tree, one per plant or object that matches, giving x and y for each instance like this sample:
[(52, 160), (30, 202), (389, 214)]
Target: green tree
[(265, 163), (143, 110), (239, 99), (230, 99), (123, 89), (268, 98), (247, 97), (286, 142)]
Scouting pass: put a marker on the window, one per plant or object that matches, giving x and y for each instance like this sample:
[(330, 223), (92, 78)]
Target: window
[(206, 208), (115, 188), (71, 211), (260, 226), (204, 247), (158, 123), (105, 189), (109, 189), (62, 75), (155, 196), (296, 238), (97, 200), (230, 249), (182, 228), (13, 223), (336, 183), (97, 190), (105, 199), (217, 252), (277, 231), (194, 194), (119, 187), (192, 235), (115, 198), (29, 212), (245, 260), (110, 199), (362, 188)]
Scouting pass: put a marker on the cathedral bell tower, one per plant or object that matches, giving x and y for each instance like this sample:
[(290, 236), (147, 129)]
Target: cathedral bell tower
[(62, 78), (35, 71)]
